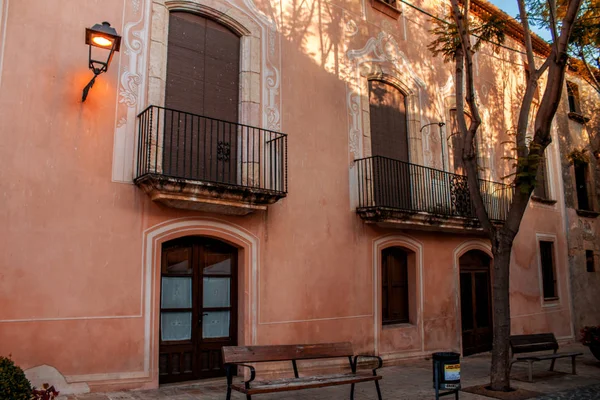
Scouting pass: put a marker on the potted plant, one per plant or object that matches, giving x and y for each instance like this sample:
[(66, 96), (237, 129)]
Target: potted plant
[(590, 336)]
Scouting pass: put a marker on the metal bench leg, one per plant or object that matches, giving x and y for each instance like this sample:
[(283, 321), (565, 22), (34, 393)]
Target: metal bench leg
[(352, 391), (530, 371), (552, 364), (378, 390), (573, 365), (229, 381)]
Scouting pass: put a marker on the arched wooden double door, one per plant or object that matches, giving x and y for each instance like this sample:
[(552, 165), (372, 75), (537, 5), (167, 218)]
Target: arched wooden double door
[(476, 302), (198, 307)]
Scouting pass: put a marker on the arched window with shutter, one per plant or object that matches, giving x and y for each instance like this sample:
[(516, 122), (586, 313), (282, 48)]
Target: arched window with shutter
[(201, 99)]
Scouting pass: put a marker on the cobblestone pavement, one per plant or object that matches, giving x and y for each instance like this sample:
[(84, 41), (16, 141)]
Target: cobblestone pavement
[(591, 392), (410, 380)]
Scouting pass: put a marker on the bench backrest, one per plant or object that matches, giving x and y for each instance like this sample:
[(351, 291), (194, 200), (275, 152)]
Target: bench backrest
[(250, 354), (532, 343)]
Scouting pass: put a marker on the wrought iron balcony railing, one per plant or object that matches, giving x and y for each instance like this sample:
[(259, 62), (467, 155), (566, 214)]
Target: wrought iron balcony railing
[(184, 146), (388, 184)]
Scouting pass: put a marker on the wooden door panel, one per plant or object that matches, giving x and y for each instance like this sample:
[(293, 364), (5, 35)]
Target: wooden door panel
[(177, 314), (176, 366), (211, 362), (198, 286), (218, 266), (476, 310)]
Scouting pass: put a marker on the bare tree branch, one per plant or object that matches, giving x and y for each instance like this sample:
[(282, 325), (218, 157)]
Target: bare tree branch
[(594, 81), (526, 171), (531, 86), (553, 30), (469, 157)]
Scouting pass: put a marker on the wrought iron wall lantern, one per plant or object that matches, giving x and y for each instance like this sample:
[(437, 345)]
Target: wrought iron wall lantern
[(104, 37)]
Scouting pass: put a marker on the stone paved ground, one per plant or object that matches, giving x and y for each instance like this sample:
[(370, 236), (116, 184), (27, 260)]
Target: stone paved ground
[(411, 380), (591, 392)]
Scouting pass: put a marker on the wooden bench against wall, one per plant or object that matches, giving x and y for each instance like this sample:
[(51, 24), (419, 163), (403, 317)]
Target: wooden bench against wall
[(541, 342), (241, 356)]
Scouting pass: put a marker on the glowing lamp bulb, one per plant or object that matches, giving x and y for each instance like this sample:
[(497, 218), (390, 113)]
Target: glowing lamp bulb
[(102, 41)]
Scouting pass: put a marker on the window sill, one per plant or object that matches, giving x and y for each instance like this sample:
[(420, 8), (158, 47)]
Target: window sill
[(587, 213), (578, 117), (386, 8), (551, 302), (399, 325), (543, 201)]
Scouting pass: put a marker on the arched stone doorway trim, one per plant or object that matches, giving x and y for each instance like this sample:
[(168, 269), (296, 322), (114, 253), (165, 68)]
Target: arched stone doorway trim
[(416, 247), (477, 244), (154, 237)]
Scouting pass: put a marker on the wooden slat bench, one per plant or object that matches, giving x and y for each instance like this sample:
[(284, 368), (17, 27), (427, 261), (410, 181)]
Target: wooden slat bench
[(520, 344), (234, 356)]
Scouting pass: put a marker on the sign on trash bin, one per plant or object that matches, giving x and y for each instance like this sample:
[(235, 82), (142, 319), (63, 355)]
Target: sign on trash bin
[(446, 373), (451, 373)]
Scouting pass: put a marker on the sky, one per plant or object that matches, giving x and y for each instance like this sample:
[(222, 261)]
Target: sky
[(508, 6), (511, 8)]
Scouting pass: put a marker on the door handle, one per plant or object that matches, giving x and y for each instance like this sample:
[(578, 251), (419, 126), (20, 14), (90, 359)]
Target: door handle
[(204, 314)]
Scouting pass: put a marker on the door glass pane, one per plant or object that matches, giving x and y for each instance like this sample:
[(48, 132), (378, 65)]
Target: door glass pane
[(216, 265), (216, 292), (177, 261), (176, 293), (175, 325), (466, 301), (482, 316), (215, 324)]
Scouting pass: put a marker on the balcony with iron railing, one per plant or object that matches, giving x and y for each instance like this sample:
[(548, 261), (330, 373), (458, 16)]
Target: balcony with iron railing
[(400, 194), (195, 162)]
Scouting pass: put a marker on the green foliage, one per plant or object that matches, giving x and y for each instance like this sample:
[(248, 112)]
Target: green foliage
[(584, 42), (447, 39), (578, 156), (13, 383)]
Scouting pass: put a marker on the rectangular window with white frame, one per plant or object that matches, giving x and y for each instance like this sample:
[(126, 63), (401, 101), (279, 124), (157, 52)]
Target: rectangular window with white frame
[(547, 259)]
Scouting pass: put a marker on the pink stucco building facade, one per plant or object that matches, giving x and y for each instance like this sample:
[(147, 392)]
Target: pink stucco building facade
[(120, 268)]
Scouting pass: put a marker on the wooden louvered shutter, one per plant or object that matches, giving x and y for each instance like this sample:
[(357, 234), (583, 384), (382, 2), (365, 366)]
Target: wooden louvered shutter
[(387, 108), (389, 140), (203, 80), (394, 286), (541, 187)]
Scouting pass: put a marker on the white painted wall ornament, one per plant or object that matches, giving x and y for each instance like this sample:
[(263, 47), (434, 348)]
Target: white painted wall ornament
[(377, 51)]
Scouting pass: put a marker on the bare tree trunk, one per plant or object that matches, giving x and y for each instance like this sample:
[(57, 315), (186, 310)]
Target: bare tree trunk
[(501, 249), (528, 156)]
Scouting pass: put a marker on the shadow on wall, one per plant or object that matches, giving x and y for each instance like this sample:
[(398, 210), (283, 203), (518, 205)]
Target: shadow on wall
[(326, 33)]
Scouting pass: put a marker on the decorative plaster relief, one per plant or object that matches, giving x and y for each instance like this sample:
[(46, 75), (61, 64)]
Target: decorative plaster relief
[(381, 56), (143, 62), (351, 28), (132, 80)]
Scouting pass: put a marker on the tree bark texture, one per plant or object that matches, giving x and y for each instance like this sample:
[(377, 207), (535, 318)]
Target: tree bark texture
[(529, 159), (501, 250)]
